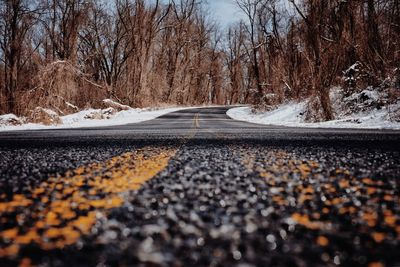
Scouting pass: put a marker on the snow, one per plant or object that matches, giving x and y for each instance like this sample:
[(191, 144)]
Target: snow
[(350, 74), (371, 95), (9, 119), (284, 115), (353, 68), (78, 120), (71, 105), (9, 116), (116, 105), (48, 111), (291, 114)]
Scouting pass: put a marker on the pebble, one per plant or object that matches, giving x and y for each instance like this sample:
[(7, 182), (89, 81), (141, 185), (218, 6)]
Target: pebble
[(232, 205)]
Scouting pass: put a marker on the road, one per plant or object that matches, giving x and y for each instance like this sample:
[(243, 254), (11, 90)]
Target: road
[(194, 187)]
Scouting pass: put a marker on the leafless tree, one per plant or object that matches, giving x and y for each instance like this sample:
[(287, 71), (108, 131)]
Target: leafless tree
[(152, 52), (17, 18), (251, 8)]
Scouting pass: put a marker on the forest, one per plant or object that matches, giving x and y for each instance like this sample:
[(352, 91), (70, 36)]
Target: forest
[(68, 55)]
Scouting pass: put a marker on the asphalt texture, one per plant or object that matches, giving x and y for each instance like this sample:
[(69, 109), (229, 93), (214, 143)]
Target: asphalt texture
[(206, 191)]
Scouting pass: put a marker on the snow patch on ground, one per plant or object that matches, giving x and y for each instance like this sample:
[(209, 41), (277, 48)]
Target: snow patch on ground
[(10, 119), (78, 120), (71, 105), (287, 114), (291, 114), (9, 116), (116, 105)]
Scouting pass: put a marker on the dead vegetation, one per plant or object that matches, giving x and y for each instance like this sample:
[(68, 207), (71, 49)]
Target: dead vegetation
[(67, 55), (63, 88), (44, 116), (10, 120)]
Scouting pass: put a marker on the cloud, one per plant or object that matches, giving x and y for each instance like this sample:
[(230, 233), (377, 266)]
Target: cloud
[(225, 11)]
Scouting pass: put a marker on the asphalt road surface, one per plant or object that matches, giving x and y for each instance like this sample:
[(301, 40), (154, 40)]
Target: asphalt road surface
[(196, 188)]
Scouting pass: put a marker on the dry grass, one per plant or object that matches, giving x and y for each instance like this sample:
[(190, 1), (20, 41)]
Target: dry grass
[(44, 116), (60, 83), (314, 110)]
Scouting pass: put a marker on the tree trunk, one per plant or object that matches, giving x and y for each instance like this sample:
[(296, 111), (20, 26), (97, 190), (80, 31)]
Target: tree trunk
[(374, 40)]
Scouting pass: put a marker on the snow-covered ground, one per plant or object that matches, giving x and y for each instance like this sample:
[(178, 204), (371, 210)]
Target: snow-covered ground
[(291, 114), (78, 120)]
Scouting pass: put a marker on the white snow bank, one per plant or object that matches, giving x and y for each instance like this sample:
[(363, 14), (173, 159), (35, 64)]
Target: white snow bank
[(116, 105), (70, 105), (78, 120), (285, 115), (369, 95), (291, 114), (9, 119), (9, 116), (44, 116)]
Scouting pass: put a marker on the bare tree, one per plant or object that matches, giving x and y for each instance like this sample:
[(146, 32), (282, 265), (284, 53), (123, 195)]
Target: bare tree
[(149, 52), (62, 24), (251, 8), (313, 21), (235, 63), (17, 17)]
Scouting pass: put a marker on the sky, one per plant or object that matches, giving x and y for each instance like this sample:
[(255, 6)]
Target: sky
[(224, 11)]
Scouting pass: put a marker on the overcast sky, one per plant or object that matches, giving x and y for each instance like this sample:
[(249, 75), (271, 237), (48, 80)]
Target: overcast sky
[(224, 11)]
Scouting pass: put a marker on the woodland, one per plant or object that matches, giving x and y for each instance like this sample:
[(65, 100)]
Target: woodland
[(68, 55)]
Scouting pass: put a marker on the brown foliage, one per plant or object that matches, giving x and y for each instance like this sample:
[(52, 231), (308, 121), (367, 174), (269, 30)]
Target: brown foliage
[(60, 85), (44, 116), (65, 53), (304, 54)]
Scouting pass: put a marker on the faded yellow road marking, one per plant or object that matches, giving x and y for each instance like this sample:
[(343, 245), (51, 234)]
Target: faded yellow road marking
[(294, 183), (64, 208)]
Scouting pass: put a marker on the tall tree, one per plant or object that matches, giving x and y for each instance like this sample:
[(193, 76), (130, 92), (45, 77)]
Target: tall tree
[(251, 8), (313, 18), (17, 17), (62, 23)]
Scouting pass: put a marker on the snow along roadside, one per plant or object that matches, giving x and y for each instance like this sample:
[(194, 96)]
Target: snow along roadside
[(78, 120), (290, 114)]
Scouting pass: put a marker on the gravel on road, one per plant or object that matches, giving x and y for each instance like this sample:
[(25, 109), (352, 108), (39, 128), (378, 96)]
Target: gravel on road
[(214, 203)]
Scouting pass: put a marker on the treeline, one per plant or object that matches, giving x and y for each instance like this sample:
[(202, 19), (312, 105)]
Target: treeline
[(81, 51), (297, 49), (71, 54)]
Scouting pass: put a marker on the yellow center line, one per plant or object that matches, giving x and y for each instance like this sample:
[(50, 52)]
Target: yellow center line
[(64, 208), (280, 169)]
